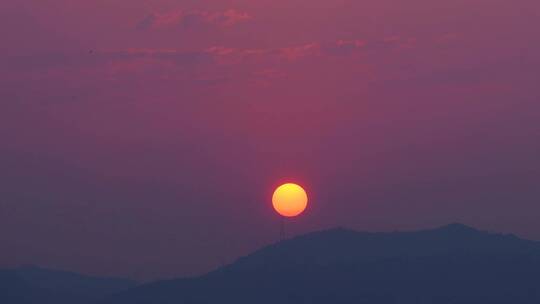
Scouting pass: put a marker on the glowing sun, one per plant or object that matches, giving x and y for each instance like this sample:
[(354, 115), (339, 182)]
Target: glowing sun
[(290, 200)]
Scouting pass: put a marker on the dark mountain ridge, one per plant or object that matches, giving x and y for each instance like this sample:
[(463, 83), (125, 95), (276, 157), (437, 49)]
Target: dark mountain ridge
[(32, 284), (342, 245), (451, 264), (74, 283), (13, 289)]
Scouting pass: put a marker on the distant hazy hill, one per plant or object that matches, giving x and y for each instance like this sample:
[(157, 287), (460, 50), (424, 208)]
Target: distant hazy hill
[(35, 285), (13, 290), (452, 264)]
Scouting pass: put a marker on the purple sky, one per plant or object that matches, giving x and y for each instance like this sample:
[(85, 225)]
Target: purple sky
[(144, 138)]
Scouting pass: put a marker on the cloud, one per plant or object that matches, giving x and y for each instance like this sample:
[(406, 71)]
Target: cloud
[(171, 55), (218, 55), (211, 66), (230, 17), (288, 54), (393, 43), (343, 47), (301, 51), (98, 58), (191, 19)]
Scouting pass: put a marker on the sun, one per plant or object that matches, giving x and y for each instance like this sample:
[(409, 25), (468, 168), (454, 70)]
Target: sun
[(290, 200)]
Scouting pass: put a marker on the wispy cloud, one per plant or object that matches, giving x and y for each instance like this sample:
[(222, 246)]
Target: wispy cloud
[(191, 19)]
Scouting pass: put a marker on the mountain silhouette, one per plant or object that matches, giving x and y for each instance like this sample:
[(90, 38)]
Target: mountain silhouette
[(31, 284), (450, 264), (14, 289)]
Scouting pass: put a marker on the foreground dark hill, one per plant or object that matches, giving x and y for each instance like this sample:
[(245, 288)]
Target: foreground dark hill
[(14, 289), (35, 285), (452, 264)]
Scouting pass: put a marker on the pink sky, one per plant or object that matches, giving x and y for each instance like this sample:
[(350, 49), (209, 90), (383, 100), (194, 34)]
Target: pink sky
[(134, 128)]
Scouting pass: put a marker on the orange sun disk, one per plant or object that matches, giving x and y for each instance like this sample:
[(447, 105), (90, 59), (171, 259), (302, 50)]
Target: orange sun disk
[(289, 200)]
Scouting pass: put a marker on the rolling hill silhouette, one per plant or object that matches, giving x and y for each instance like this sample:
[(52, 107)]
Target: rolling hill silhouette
[(33, 285), (14, 289), (451, 264)]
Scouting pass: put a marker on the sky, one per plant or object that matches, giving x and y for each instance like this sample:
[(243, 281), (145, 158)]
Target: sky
[(144, 138)]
